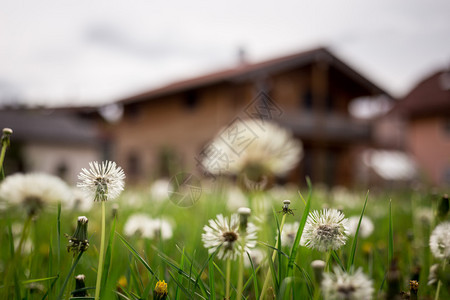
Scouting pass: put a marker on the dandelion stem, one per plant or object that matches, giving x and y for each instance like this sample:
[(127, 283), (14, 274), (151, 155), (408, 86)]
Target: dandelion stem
[(438, 289), (23, 236), (61, 292), (101, 254), (241, 273), (227, 286), (2, 155), (5, 144), (266, 281), (328, 261)]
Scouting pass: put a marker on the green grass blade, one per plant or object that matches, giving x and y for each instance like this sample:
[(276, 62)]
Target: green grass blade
[(68, 277), (337, 259), (177, 292), (391, 236), (274, 273), (50, 288), (273, 248), (292, 257), (197, 282), (107, 261), (183, 289), (17, 287), (212, 287), (136, 255), (279, 247), (309, 283), (58, 240), (351, 259), (173, 264), (255, 279), (38, 280)]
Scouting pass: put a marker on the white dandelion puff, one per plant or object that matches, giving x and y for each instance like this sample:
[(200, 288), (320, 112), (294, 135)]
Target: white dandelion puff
[(424, 214), (160, 228), (325, 230), (269, 150), (289, 233), (223, 234), (33, 191), (257, 256), (365, 229), (78, 201), (440, 241), (144, 226), (159, 190), (103, 181), (137, 224), (341, 285), (235, 198)]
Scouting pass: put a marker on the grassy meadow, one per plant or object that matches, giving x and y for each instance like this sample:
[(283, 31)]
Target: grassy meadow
[(212, 239), (133, 264)]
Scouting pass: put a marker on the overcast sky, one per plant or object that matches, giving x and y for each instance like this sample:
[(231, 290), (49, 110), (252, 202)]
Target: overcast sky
[(87, 52)]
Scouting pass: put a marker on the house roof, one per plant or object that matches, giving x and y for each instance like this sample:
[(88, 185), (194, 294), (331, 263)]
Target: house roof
[(431, 96), (48, 126), (248, 71)]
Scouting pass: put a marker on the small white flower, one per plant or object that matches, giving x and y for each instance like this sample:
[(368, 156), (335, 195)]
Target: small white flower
[(33, 191), (365, 229), (103, 181), (289, 233), (148, 228), (224, 233), (440, 241), (340, 285), (325, 230)]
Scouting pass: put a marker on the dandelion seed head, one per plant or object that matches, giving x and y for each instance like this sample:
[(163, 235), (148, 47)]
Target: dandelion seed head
[(33, 191), (146, 227), (325, 230), (257, 256), (223, 234), (272, 150), (340, 285), (103, 181), (440, 241), (365, 229), (289, 233)]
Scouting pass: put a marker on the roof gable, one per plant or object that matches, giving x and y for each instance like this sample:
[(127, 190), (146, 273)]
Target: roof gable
[(248, 71), (431, 96)]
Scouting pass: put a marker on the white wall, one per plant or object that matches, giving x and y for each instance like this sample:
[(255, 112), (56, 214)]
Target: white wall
[(48, 157)]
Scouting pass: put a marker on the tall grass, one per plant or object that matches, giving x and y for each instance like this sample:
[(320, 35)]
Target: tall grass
[(133, 265)]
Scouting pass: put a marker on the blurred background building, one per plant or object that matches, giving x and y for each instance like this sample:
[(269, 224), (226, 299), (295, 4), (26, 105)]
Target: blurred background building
[(164, 130), (67, 74), (55, 141)]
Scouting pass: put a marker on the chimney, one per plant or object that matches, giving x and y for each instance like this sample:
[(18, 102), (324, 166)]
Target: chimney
[(242, 56)]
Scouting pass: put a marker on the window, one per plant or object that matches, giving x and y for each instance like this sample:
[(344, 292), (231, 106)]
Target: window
[(307, 100), (133, 165), (447, 127), (191, 100)]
